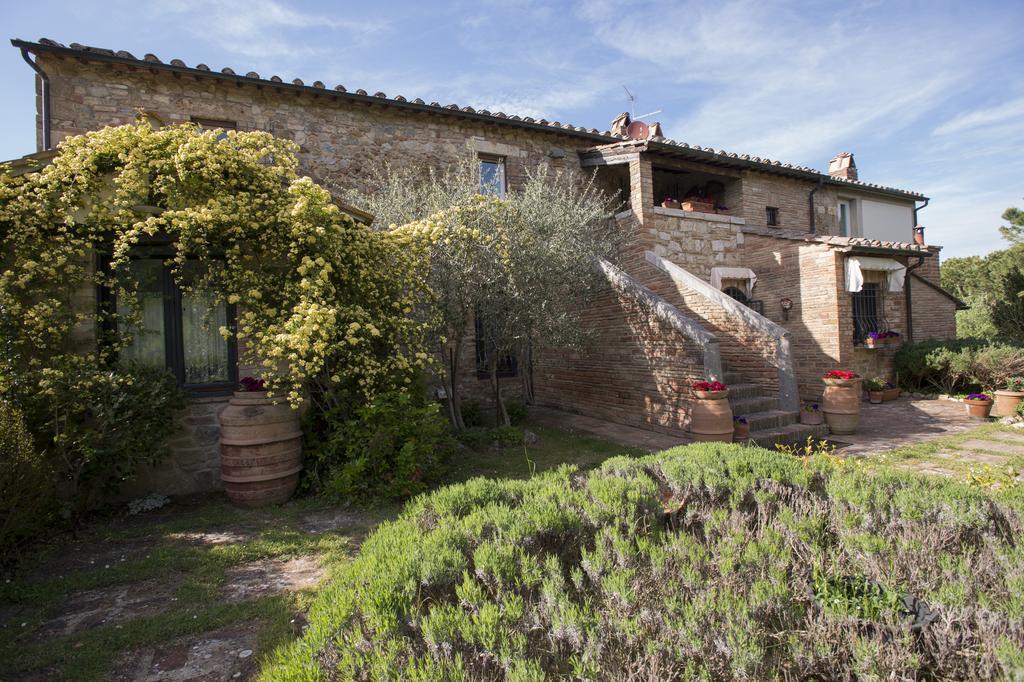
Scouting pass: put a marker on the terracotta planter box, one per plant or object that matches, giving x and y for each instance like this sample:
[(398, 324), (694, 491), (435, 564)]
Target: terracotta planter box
[(841, 404), (670, 204), (698, 206), (711, 417), (978, 409), (1006, 403), (890, 394)]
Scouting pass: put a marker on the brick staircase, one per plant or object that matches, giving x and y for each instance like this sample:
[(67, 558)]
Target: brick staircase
[(768, 424)]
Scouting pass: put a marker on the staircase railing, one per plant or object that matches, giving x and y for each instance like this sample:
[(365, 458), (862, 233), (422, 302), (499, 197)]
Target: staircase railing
[(668, 313), (781, 358)]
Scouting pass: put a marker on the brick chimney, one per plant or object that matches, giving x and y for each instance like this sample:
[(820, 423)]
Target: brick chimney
[(620, 123), (842, 166)]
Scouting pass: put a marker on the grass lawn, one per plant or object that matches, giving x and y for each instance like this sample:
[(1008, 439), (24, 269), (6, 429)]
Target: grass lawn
[(169, 570)]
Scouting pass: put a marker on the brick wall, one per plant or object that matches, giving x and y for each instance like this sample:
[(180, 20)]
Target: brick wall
[(934, 313)]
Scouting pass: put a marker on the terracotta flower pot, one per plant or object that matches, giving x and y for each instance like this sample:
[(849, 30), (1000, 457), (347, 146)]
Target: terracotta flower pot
[(870, 342), (811, 418), (841, 404), (875, 397), (711, 417), (260, 449), (978, 409), (1006, 403), (740, 432)]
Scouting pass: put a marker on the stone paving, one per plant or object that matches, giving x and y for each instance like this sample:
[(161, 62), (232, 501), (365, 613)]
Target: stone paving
[(903, 422)]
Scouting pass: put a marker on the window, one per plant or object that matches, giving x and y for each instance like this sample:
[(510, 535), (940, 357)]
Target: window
[(211, 123), (507, 364), (845, 218), (492, 175), (868, 311), (771, 215), (180, 329)]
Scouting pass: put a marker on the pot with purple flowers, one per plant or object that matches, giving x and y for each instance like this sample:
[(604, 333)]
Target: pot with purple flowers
[(874, 339), (811, 415), (740, 429), (669, 202), (978, 405)]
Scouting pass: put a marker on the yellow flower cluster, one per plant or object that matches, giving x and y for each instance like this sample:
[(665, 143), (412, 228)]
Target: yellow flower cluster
[(320, 297)]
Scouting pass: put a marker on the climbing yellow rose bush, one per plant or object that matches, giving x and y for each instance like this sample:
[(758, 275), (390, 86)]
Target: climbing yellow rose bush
[(322, 299)]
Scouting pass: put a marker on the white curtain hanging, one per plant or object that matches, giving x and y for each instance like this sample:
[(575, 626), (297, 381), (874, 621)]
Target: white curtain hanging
[(718, 274), (855, 266)]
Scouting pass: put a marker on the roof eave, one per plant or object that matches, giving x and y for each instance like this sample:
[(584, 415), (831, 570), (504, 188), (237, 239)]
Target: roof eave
[(90, 55)]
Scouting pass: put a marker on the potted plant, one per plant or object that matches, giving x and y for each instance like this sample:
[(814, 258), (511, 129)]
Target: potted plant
[(811, 414), (841, 401), (891, 392), (978, 405), (873, 339), (875, 388), (1007, 399), (260, 447), (740, 429), (669, 202), (711, 416)]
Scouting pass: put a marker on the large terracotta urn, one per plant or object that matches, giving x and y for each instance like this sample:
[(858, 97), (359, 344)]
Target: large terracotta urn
[(711, 417), (841, 404), (260, 449)]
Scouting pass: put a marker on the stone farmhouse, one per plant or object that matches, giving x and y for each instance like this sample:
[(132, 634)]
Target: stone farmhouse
[(744, 269)]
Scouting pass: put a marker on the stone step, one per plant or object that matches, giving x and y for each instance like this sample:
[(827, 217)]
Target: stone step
[(770, 420), (787, 435), (747, 406), (729, 378), (741, 390)]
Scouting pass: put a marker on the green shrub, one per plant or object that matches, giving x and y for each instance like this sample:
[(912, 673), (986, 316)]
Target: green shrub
[(517, 413), (706, 562), (97, 427), (27, 502), (957, 366), (392, 448), (472, 413), (1015, 384), (507, 436), (475, 437)]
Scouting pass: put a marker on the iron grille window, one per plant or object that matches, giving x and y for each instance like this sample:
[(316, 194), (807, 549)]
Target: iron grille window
[(771, 215), (868, 311), (485, 349)]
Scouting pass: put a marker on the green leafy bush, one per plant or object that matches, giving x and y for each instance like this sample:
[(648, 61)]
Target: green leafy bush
[(97, 427), (517, 413), (957, 366), (27, 502), (707, 562), (472, 413), (507, 436), (475, 437), (392, 448)]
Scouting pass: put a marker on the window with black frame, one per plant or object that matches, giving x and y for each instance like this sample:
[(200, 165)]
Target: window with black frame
[(175, 327), (485, 350), (868, 311)]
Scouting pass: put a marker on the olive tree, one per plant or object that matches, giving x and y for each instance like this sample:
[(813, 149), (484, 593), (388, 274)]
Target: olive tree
[(522, 264)]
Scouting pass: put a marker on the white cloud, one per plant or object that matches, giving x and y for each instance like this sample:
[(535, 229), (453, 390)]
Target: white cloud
[(1007, 112), (262, 28)]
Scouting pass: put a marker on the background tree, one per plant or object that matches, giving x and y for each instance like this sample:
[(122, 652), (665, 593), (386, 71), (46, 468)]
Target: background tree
[(522, 264), (992, 285)]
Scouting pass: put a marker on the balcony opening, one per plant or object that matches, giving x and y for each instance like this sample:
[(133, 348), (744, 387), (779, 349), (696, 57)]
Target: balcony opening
[(695, 190)]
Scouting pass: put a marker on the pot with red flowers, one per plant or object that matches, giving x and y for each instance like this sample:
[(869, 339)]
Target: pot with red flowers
[(841, 401), (711, 414), (978, 405)]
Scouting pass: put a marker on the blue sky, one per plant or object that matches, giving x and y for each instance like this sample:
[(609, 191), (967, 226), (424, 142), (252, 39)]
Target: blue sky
[(929, 95)]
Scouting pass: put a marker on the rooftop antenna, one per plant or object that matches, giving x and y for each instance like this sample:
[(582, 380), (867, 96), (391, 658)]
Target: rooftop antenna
[(632, 106)]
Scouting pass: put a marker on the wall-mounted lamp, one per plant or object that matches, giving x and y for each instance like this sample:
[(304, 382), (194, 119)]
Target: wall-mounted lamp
[(787, 305)]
